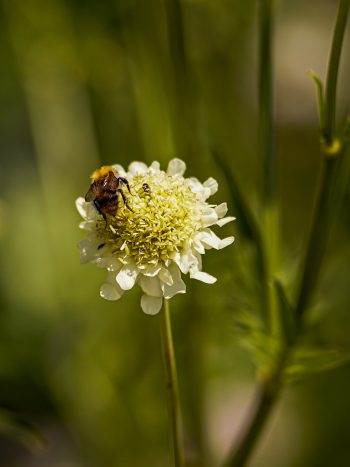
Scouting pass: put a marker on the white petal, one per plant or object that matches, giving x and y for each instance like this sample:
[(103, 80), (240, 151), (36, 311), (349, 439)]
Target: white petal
[(80, 203), (176, 167), (151, 286), (110, 291), (120, 170), (88, 249), (151, 270), (225, 221), (137, 168), (178, 285), (151, 305), (127, 276), (210, 240), (226, 242), (212, 184), (154, 167), (87, 210), (186, 260), (195, 184), (90, 226), (198, 188), (165, 276), (210, 217), (110, 263), (221, 209), (204, 277), (199, 247), (198, 267)]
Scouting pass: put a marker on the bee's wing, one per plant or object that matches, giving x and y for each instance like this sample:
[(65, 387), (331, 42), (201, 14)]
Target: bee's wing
[(90, 195)]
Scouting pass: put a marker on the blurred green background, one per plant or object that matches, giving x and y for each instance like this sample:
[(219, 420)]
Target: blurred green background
[(85, 83)]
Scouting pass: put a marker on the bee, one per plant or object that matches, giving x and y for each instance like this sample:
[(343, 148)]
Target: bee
[(104, 191)]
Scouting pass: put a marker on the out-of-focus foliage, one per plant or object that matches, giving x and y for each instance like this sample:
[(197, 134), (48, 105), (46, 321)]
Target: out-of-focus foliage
[(86, 83)]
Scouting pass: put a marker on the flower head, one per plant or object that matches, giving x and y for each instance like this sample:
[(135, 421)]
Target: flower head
[(159, 229)]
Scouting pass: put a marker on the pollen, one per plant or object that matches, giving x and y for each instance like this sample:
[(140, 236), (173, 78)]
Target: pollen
[(165, 215)]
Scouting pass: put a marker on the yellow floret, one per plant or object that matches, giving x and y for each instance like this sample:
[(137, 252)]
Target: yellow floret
[(162, 219)]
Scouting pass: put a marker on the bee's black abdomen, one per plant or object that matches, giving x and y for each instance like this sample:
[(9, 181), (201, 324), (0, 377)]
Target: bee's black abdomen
[(107, 204)]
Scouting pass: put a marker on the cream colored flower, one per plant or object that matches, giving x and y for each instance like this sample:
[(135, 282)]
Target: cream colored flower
[(165, 234)]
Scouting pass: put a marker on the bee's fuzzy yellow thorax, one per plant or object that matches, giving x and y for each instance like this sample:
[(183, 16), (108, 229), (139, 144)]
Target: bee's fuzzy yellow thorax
[(102, 172)]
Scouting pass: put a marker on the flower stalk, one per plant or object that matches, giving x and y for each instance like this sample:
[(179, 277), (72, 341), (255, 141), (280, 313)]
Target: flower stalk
[(172, 386)]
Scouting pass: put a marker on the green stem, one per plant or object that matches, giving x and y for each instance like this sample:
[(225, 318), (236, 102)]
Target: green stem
[(332, 150), (265, 399), (176, 40), (266, 98), (332, 74), (318, 236), (268, 156), (181, 81), (172, 386)]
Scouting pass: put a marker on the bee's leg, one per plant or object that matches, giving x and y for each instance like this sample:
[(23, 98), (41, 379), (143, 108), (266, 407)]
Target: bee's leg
[(98, 208), (124, 180), (124, 199)]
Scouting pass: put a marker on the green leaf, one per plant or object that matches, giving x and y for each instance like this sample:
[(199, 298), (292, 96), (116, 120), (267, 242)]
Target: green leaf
[(288, 316), (247, 222), (307, 360), (320, 96), (263, 348)]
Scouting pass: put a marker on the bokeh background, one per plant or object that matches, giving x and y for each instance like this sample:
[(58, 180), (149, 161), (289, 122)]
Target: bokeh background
[(85, 83)]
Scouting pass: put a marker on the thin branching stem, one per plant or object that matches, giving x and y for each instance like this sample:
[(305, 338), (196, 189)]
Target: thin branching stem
[(318, 235), (332, 149), (264, 400), (332, 75), (172, 386)]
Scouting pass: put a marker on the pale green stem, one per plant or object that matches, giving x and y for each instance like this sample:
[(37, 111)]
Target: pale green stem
[(265, 84), (332, 74), (264, 401), (172, 386), (183, 97), (268, 156), (318, 235)]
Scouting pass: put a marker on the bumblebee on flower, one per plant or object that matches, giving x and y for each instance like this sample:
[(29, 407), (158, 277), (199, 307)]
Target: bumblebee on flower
[(147, 226)]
